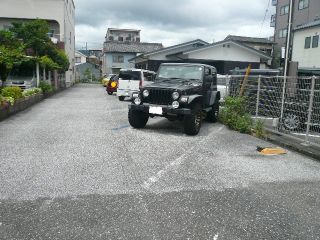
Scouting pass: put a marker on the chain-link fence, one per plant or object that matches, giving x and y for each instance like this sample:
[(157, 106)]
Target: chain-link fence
[(290, 105)]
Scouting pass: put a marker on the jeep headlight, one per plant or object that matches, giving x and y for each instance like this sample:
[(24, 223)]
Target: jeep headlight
[(145, 93), (175, 95), (135, 95), (137, 101), (175, 104), (184, 99)]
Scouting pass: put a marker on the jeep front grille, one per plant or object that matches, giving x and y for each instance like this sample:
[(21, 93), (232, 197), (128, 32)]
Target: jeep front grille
[(159, 96)]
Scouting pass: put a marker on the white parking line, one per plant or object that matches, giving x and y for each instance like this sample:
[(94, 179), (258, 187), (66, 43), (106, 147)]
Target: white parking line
[(173, 165)]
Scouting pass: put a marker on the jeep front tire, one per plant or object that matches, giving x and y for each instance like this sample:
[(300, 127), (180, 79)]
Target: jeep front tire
[(192, 123), (137, 119)]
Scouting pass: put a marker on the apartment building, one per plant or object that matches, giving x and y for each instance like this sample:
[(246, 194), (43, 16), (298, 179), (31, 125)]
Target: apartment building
[(60, 15), (304, 11), (123, 35)]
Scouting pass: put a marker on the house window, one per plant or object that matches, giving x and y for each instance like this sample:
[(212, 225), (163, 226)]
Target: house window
[(283, 33), (284, 10), (315, 41), (117, 58), (78, 59), (303, 4), (51, 33), (307, 42), (120, 39)]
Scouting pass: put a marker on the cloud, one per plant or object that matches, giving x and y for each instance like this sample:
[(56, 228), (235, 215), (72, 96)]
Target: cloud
[(172, 21)]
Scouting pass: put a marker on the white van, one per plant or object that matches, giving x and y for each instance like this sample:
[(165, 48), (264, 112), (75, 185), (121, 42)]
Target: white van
[(131, 80)]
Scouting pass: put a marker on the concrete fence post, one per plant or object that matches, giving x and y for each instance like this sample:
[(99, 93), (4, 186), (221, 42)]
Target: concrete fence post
[(313, 81), (258, 96), (283, 97)]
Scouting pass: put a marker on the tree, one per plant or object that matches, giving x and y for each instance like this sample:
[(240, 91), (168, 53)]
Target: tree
[(34, 35), (11, 53)]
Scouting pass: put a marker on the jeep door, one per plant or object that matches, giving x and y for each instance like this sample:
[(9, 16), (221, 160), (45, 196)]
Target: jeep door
[(209, 86)]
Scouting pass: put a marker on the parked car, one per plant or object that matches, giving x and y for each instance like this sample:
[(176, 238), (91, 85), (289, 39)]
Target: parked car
[(181, 91), (106, 79), (112, 85), (132, 80), (23, 76)]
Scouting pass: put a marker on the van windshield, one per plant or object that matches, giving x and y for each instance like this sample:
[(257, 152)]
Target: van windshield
[(180, 72), (130, 75)]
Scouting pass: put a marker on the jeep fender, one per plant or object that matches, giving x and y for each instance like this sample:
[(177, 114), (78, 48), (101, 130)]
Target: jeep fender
[(214, 97), (194, 98)]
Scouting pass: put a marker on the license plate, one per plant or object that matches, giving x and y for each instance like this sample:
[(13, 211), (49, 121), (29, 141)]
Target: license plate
[(155, 110)]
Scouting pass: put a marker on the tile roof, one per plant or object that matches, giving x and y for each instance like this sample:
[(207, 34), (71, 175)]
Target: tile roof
[(177, 46), (308, 25), (248, 39), (258, 52), (131, 47)]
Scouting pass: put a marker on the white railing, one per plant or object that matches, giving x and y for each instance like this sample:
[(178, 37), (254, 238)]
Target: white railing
[(292, 108)]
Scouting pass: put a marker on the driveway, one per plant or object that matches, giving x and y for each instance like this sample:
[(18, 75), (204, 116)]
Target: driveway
[(72, 168)]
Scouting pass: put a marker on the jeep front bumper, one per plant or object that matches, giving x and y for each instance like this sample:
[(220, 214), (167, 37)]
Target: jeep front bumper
[(166, 110)]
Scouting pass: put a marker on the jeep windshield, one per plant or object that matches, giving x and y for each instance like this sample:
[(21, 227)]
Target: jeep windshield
[(175, 73)]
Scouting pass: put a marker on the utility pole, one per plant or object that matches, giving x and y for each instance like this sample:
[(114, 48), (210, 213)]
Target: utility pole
[(286, 57), (288, 39)]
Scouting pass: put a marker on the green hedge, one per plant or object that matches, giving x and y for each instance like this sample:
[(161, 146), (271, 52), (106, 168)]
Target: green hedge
[(31, 91), (234, 114), (45, 87), (13, 92)]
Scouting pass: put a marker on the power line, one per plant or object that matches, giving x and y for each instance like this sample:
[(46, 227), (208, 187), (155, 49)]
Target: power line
[(265, 16)]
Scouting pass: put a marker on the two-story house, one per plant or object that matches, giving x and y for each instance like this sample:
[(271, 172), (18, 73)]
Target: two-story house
[(120, 46), (306, 48)]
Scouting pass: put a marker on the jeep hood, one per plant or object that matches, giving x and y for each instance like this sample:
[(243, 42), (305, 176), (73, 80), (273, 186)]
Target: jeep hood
[(176, 85)]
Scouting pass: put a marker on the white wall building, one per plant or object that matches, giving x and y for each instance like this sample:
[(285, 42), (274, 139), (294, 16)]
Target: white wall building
[(306, 47), (80, 58), (60, 15)]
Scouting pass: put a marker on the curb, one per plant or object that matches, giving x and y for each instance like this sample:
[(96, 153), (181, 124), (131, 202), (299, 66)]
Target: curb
[(310, 151)]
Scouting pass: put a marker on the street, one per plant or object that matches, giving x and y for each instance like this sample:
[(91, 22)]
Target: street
[(73, 168)]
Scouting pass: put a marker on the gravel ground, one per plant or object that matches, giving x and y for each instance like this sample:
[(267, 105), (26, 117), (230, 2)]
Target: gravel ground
[(73, 168)]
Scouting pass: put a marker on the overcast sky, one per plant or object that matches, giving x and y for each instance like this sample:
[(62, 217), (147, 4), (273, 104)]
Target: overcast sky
[(172, 21)]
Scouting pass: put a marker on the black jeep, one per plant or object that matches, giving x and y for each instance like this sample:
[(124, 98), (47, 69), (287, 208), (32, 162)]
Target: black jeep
[(181, 91)]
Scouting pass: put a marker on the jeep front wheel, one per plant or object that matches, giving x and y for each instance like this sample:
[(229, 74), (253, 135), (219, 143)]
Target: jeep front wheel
[(192, 123), (137, 119)]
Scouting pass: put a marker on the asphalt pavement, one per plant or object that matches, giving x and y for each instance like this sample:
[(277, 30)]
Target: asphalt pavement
[(71, 167)]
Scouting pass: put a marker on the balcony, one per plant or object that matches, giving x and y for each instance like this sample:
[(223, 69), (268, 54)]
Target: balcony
[(274, 2), (273, 20)]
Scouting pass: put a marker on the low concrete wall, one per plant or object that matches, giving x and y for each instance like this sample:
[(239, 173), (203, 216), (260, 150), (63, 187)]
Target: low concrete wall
[(24, 103), (19, 105)]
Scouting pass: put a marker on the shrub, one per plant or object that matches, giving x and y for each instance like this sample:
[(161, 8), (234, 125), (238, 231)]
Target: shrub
[(14, 92), (234, 114), (45, 87), (4, 101), (31, 91), (259, 130)]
